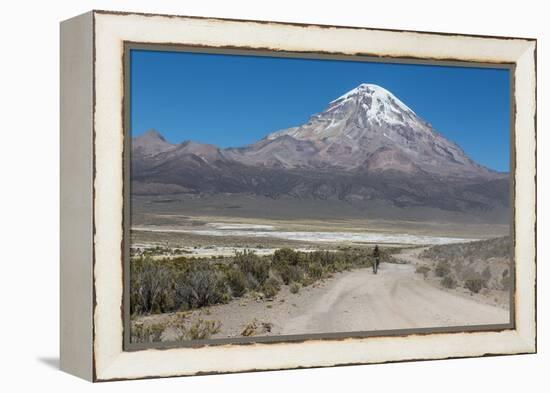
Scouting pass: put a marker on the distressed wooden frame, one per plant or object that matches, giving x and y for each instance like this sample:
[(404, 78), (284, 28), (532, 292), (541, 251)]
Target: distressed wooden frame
[(129, 346), (92, 193)]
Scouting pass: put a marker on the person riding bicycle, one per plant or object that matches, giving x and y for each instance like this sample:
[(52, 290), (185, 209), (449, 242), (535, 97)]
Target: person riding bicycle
[(376, 256)]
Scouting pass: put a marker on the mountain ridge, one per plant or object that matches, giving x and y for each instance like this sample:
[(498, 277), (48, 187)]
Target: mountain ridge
[(365, 145)]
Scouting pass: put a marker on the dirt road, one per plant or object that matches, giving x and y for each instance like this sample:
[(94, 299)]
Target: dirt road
[(357, 300), (395, 298)]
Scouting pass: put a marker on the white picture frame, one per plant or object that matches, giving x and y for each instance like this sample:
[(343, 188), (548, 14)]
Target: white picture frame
[(92, 194)]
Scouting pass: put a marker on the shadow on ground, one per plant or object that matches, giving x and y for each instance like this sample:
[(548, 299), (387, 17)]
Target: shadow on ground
[(52, 362)]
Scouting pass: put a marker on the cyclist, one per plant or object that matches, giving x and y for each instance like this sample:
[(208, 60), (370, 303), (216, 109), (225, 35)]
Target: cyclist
[(376, 256)]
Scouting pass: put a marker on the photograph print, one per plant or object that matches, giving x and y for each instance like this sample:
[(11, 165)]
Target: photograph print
[(274, 198)]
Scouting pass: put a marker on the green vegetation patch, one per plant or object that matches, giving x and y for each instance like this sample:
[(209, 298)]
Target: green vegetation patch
[(183, 283)]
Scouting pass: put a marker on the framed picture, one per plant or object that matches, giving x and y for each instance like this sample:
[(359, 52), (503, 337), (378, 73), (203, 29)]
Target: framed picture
[(245, 195)]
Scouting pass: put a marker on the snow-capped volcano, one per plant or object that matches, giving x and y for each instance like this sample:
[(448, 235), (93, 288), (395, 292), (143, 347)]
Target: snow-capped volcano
[(368, 127), (363, 106), (376, 104)]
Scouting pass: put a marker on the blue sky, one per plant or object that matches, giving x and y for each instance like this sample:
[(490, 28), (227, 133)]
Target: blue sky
[(231, 100)]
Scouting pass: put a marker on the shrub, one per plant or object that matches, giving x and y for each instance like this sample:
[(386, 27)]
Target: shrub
[(249, 329), (199, 330), (486, 273), (294, 287), (306, 281), (290, 273), (332, 261), (199, 288), (252, 265), (236, 280), (458, 267), (271, 287), (315, 271), (256, 327), (449, 282), (141, 333), (469, 273), (251, 282), (337, 267), (442, 269), (285, 256), (151, 287), (424, 270), (474, 284)]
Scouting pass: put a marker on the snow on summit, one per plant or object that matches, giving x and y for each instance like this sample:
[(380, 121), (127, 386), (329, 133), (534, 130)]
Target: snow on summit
[(364, 106), (378, 102), (376, 92)]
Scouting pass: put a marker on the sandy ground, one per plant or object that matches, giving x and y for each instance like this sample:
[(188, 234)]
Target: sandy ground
[(396, 298), (498, 298), (358, 300)]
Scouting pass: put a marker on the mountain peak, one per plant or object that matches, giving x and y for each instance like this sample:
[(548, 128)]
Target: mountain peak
[(370, 118), (152, 134), (150, 143), (374, 96), (363, 88), (363, 111)]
